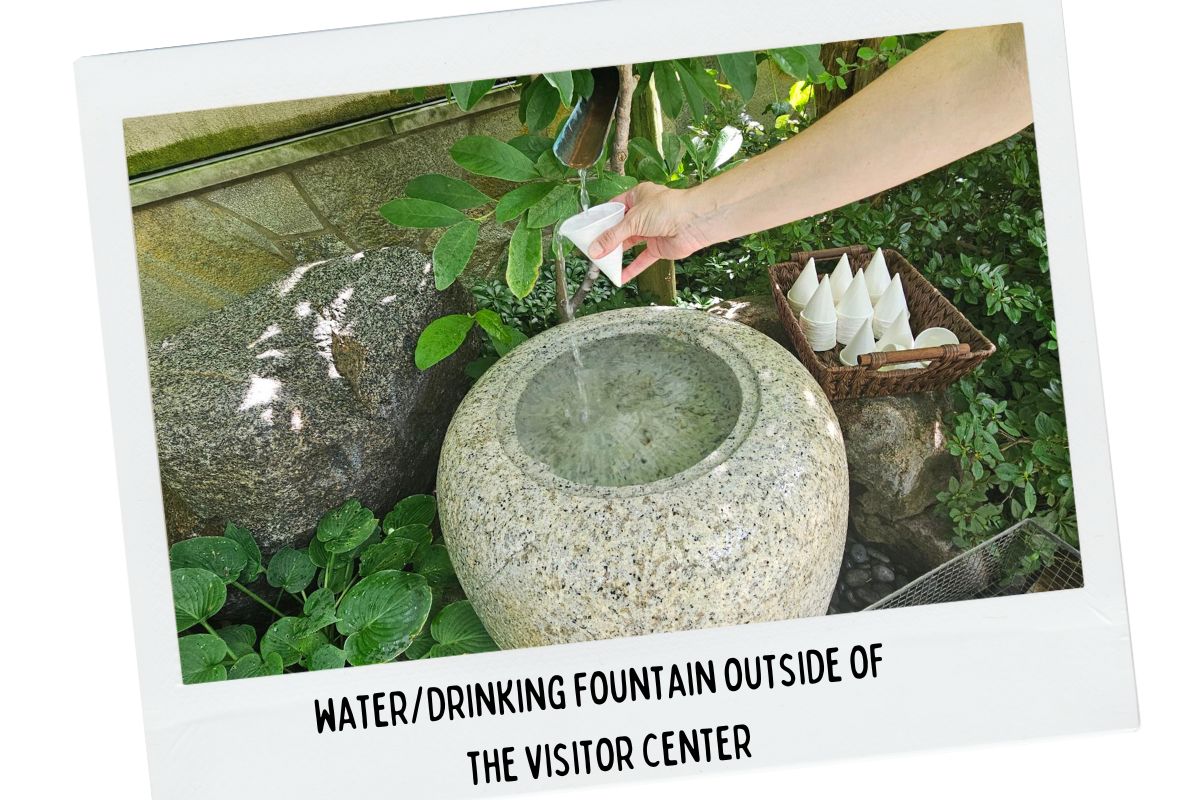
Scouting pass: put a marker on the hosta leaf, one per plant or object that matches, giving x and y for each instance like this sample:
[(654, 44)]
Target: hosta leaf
[(524, 260), (239, 639), (198, 594), (469, 93), (433, 563), (417, 509), (327, 656), (564, 82), (453, 251), (291, 640), (382, 614), (542, 104), (457, 626), (200, 657), (394, 552), (223, 557), (250, 547), (252, 665), (319, 610), (513, 204), (346, 527), (560, 203), (337, 579), (493, 158), (441, 338), (741, 70), (290, 570), (412, 212), (448, 191), (421, 645)]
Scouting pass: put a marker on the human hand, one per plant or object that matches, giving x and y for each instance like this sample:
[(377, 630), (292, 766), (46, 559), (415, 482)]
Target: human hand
[(658, 216)]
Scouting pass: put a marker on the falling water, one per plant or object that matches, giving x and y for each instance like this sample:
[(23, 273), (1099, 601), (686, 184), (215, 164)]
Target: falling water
[(584, 202)]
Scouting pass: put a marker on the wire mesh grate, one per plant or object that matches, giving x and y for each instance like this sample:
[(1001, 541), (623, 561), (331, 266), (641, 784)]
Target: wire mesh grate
[(1025, 558)]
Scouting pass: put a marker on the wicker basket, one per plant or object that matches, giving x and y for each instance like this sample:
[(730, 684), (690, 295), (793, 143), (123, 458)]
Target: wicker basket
[(927, 308)]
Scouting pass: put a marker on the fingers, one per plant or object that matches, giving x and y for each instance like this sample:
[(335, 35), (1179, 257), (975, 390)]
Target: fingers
[(643, 260), (611, 239)]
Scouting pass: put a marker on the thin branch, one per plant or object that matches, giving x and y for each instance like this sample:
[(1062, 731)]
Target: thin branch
[(582, 292), (620, 151), (566, 309)]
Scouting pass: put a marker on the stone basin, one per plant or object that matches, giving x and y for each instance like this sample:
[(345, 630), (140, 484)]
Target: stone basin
[(642, 471)]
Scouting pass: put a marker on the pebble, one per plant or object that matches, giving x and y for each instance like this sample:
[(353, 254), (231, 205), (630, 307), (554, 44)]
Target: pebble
[(883, 573), (858, 553), (878, 556), (857, 577)]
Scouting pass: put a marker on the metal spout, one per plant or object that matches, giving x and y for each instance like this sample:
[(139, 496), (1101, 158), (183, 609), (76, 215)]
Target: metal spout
[(580, 143)]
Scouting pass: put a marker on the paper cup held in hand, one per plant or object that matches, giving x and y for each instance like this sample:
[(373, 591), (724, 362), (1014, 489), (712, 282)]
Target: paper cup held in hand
[(583, 229)]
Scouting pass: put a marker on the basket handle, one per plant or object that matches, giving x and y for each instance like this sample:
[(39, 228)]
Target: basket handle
[(830, 252), (877, 360)]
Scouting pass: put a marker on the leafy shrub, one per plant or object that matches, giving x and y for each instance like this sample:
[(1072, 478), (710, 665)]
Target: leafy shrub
[(362, 592)]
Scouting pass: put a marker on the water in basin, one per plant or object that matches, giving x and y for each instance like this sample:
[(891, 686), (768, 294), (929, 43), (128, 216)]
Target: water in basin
[(628, 409)]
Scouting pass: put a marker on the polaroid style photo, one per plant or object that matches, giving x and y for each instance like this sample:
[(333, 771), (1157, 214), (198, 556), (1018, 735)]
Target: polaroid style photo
[(601, 408)]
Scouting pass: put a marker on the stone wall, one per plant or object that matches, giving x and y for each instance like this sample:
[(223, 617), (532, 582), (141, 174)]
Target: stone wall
[(201, 250)]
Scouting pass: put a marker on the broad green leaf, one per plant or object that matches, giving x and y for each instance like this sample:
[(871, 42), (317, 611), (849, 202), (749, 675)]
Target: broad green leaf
[(479, 366), (453, 251), (441, 338), (531, 145), (340, 577), (319, 610), (608, 185), (252, 665), (866, 54), (469, 93), (584, 82), (223, 557), (200, 658), (541, 105), (484, 155), (672, 151), (347, 526), (524, 262), (290, 638), (503, 337), (394, 552), (448, 191), (419, 534), (290, 570), (564, 82), (705, 82), (250, 547), (239, 639), (726, 146), (670, 94), (802, 63), (416, 509), (421, 645), (198, 594), (741, 70), (562, 202), (691, 90), (458, 626), (327, 656), (516, 202), (320, 557), (433, 563), (652, 169), (382, 614), (411, 212), (548, 166)]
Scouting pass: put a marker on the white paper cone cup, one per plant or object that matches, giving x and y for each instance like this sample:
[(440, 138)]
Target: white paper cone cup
[(584, 228), (820, 306), (861, 342), (878, 276), (897, 332), (856, 302), (847, 327), (839, 279), (891, 302), (805, 285)]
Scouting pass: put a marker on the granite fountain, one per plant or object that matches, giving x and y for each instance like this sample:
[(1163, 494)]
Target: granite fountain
[(642, 471)]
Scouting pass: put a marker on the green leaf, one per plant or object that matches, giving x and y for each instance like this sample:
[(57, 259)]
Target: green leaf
[(453, 251), (608, 185), (564, 82), (249, 546), (433, 563), (327, 656), (223, 557), (420, 646), (448, 191), (469, 93), (479, 366), (458, 628), (418, 534), (866, 53), (442, 337), (290, 638), (340, 577), (382, 614), (741, 70), (252, 665), (584, 82), (290, 570), (503, 337), (200, 658), (239, 639), (670, 94), (802, 63), (347, 526), (198, 594), (493, 158), (548, 166), (394, 552), (541, 105), (416, 509), (524, 262), (531, 145), (516, 202), (691, 91), (319, 610), (560, 203), (411, 212)]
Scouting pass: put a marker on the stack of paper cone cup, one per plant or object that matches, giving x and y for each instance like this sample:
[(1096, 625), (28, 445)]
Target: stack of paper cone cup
[(854, 309), (890, 306), (862, 342), (839, 279), (798, 296), (819, 319)]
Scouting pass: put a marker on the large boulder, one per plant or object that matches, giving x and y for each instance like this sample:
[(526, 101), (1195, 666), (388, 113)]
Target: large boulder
[(303, 394)]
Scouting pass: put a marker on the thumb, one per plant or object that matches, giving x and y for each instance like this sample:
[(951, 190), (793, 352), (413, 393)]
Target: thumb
[(611, 239)]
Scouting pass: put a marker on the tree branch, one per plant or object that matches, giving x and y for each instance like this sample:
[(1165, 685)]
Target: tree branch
[(620, 151), (566, 307), (582, 292)]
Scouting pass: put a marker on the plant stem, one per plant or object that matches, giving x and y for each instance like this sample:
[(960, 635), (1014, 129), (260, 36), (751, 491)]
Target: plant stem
[(258, 600), (584, 287), (620, 150)]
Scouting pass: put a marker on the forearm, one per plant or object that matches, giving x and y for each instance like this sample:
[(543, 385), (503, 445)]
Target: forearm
[(959, 93)]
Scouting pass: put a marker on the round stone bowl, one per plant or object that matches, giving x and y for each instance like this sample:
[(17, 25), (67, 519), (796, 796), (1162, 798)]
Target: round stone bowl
[(642, 471)]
